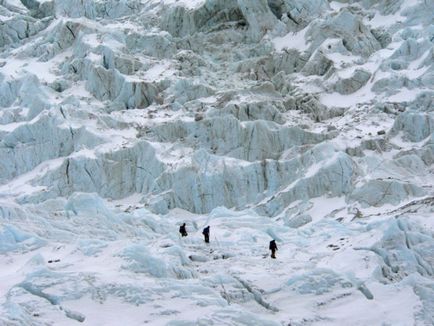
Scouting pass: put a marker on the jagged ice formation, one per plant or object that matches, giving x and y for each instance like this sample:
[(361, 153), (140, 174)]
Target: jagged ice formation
[(309, 122)]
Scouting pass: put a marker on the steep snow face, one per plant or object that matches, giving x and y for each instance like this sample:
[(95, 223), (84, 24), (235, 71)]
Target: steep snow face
[(307, 122)]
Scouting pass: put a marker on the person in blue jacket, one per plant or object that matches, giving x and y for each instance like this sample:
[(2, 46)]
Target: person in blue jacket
[(183, 230), (205, 233)]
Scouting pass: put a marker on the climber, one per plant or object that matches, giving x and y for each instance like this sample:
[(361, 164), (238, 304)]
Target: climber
[(205, 233), (273, 248), (182, 230)]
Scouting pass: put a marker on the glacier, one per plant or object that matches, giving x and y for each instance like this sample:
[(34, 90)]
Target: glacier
[(307, 122)]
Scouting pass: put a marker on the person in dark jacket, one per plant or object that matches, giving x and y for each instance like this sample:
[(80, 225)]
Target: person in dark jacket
[(183, 230), (205, 233), (273, 248)]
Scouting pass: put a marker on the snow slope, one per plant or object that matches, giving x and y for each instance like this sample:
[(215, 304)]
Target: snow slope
[(308, 122)]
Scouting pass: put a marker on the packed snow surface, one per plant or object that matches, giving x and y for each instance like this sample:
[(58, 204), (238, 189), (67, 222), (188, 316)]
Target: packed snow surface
[(308, 122)]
